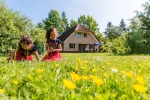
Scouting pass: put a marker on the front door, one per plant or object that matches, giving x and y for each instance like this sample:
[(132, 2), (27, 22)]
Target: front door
[(82, 47)]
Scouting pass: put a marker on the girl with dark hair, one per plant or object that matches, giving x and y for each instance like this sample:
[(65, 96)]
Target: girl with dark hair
[(53, 46), (25, 50)]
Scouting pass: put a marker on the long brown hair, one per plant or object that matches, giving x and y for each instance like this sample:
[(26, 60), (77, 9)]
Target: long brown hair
[(48, 33)]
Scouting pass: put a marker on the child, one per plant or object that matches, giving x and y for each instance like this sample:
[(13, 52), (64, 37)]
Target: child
[(42, 48), (25, 50), (53, 46)]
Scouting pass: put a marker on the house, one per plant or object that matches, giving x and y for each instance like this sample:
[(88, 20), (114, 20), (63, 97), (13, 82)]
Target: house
[(78, 39)]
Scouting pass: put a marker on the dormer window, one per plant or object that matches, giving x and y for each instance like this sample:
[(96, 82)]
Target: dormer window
[(79, 35)]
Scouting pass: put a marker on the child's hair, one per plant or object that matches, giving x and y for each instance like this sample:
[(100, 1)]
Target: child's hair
[(49, 32), (25, 40)]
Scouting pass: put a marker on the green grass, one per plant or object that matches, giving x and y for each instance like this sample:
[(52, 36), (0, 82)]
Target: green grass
[(44, 80)]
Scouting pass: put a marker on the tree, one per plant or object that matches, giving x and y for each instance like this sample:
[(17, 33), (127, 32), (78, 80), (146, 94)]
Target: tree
[(122, 26), (64, 23), (109, 25), (13, 25), (53, 20), (89, 22), (73, 23)]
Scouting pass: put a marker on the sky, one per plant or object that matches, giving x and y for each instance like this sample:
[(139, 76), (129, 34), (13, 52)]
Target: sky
[(102, 11)]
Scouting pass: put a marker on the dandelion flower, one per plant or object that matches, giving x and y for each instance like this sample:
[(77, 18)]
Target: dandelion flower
[(129, 74), (75, 76), (2, 91), (15, 82), (69, 84), (140, 79), (139, 88), (98, 81), (40, 70), (56, 65), (103, 67), (85, 77)]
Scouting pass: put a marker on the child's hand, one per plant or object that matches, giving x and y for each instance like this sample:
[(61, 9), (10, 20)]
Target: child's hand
[(8, 59), (51, 50)]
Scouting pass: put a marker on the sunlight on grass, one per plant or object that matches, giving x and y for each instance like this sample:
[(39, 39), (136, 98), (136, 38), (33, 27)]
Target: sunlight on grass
[(88, 76)]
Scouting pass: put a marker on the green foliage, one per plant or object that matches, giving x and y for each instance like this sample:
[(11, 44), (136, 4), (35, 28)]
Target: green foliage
[(73, 23), (107, 47), (89, 22), (64, 23), (13, 26), (120, 45), (53, 20), (109, 25), (137, 43), (122, 26)]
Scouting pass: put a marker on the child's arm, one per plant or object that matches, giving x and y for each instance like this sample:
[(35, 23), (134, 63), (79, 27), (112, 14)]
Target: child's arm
[(11, 55), (59, 48), (47, 47), (37, 55)]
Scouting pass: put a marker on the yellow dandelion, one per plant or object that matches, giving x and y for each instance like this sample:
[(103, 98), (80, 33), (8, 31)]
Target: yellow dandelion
[(75, 76), (85, 77), (78, 59), (56, 65), (15, 82), (2, 91), (69, 84), (139, 88), (140, 79), (40, 70), (98, 81), (21, 71), (103, 67), (129, 74)]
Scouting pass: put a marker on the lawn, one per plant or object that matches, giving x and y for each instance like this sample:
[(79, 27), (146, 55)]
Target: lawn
[(79, 76)]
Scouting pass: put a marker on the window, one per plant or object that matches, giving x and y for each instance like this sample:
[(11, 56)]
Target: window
[(79, 35), (85, 34), (72, 46)]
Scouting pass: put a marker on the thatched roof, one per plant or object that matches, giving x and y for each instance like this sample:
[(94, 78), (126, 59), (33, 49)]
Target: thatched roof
[(79, 28)]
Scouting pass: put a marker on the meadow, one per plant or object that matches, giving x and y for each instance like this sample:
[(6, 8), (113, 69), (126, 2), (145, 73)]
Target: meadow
[(79, 76)]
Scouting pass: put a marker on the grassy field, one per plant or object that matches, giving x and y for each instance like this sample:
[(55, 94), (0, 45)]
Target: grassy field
[(79, 76)]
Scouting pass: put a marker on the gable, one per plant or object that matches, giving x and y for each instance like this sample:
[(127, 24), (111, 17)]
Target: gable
[(75, 29), (73, 38)]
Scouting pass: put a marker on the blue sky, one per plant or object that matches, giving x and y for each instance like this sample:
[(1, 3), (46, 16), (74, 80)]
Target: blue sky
[(101, 10)]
